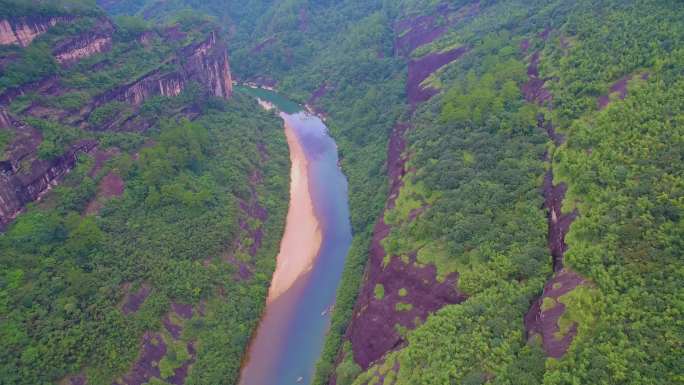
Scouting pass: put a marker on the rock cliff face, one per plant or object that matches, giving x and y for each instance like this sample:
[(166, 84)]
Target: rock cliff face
[(97, 41), (24, 177), (23, 31), (205, 63)]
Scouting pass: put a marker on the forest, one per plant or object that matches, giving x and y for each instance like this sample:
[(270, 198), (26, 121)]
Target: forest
[(588, 92)]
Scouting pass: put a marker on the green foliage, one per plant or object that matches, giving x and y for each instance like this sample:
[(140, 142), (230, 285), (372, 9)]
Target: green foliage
[(628, 238), (108, 113), (56, 137), (379, 291), (62, 272), (347, 371), (33, 63), (37, 8), (5, 139)]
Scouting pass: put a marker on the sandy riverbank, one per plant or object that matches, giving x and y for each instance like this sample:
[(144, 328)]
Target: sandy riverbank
[(302, 238)]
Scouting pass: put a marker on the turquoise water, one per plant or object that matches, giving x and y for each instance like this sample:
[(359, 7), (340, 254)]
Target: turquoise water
[(299, 319)]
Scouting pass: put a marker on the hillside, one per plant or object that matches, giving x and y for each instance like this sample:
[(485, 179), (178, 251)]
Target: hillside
[(142, 202), (515, 184), (534, 164)]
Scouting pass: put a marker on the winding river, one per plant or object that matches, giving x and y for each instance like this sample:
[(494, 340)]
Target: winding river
[(289, 338)]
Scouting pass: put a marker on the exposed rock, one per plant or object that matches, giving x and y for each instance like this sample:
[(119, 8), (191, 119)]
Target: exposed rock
[(372, 330), (22, 31), (538, 320), (24, 177), (205, 62), (534, 89), (133, 301), (544, 322), (94, 42), (413, 32), (147, 364), (421, 69), (619, 88)]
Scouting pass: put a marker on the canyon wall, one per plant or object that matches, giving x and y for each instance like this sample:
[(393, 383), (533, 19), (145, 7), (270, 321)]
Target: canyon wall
[(24, 177), (23, 31)]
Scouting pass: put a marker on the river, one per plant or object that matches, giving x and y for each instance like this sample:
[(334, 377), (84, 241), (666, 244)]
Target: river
[(290, 335)]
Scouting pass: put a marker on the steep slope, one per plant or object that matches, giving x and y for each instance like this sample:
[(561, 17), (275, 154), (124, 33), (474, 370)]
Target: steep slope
[(141, 201), (515, 178)]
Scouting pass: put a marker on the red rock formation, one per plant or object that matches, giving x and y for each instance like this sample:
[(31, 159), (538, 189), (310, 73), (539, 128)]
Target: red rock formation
[(23, 31), (205, 62), (544, 322), (24, 177), (97, 41), (421, 69)]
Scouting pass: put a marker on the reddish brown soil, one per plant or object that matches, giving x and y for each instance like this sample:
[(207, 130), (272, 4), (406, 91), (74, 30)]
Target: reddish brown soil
[(101, 157), (545, 323), (421, 30), (110, 186), (78, 379), (524, 45), (533, 90), (544, 35), (182, 309), (414, 32), (559, 223), (421, 69), (372, 330), (619, 87), (320, 92), (133, 301), (181, 373), (146, 366), (261, 46), (173, 329)]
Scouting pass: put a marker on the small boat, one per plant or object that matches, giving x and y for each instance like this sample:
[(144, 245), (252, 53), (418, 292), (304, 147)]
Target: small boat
[(300, 379)]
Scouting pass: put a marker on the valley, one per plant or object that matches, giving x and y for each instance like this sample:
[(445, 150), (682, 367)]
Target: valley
[(354, 192)]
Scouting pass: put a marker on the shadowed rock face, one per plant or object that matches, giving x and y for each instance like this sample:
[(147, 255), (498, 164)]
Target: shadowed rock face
[(97, 41), (421, 69), (373, 330), (24, 177)]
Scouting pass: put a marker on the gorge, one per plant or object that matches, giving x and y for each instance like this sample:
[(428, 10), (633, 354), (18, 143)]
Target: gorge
[(471, 192), (289, 338)]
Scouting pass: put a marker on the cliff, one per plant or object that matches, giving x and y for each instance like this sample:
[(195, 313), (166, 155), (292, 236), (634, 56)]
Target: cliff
[(22, 31), (205, 63), (24, 176), (98, 40)]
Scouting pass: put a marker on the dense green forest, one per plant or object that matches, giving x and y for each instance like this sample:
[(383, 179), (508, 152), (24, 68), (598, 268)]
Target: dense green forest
[(609, 82), (149, 224)]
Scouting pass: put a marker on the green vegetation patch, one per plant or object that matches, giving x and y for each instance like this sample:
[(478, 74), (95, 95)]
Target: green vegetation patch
[(379, 291)]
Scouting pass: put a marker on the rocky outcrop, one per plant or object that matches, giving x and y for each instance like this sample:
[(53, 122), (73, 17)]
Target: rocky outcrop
[(542, 319), (23, 31), (421, 69), (24, 177), (81, 47), (205, 62)]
